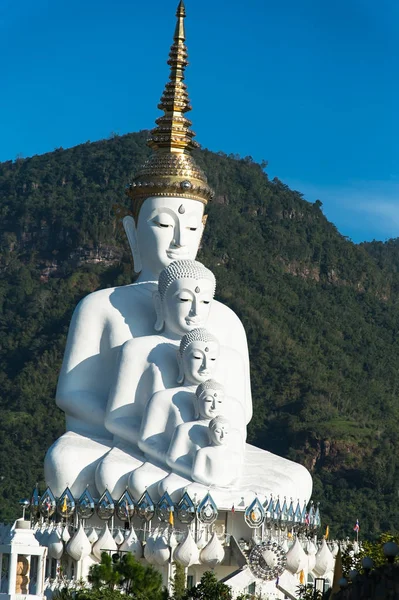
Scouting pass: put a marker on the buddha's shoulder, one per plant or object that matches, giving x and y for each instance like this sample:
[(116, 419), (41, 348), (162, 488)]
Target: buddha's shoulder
[(139, 344), (221, 310), (110, 299)]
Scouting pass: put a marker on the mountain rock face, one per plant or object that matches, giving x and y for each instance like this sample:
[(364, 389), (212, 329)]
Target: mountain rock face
[(321, 314)]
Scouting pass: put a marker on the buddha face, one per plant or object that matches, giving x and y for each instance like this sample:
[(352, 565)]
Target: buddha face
[(210, 403), (199, 361), (186, 305), (219, 432), (168, 229)]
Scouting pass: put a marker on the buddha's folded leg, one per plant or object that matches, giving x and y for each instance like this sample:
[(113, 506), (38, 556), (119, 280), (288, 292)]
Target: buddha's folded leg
[(113, 471), (147, 478), (174, 485), (71, 462)]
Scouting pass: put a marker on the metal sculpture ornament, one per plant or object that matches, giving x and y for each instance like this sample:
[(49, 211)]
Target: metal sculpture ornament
[(267, 560)]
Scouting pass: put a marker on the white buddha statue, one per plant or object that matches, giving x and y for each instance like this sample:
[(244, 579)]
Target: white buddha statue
[(149, 364), (168, 196), (220, 462), (189, 437), (197, 358)]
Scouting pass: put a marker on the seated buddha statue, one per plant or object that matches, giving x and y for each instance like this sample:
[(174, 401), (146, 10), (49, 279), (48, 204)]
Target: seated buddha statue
[(149, 364), (190, 436), (197, 358), (168, 197), (220, 462)]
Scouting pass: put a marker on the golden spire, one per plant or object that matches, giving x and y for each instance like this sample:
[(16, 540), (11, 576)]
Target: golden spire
[(171, 170), (173, 131)]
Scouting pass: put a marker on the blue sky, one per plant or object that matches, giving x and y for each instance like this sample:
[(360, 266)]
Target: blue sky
[(309, 86)]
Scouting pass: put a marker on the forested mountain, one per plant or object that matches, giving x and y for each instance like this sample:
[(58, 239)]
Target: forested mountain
[(321, 315)]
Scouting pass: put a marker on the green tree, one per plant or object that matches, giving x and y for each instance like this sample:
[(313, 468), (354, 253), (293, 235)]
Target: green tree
[(125, 574), (178, 582), (371, 549), (209, 588)]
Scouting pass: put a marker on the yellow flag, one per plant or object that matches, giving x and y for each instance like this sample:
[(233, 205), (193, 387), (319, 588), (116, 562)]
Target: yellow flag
[(289, 535), (64, 507), (171, 518), (302, 578), (327, 533)]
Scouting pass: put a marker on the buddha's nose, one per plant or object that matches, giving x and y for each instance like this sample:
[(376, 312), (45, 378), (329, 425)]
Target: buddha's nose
[(194, 307), (179, 239)]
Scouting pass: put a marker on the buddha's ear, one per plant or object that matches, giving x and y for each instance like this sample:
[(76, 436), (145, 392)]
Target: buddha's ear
[(130, 229), (180, 377), (160, 322), (196, 407)]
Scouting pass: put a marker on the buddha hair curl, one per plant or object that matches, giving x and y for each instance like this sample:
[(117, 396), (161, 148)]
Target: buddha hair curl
[(183, 269), (209, 384), (216, 420), (200, 334)]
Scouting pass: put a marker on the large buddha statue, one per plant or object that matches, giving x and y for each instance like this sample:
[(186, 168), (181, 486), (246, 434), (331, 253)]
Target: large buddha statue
[(168, 195), (151, 364), (99, 449)]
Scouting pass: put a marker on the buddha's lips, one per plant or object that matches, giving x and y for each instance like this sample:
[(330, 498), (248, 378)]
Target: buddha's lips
[(176, 254), (194, 321)]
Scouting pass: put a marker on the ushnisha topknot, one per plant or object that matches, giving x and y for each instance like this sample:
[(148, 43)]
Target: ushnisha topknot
[(209, 384), (216, 420), (195, 335), (183, 269)]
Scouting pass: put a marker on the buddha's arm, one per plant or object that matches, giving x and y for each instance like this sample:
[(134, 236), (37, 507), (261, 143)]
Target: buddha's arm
[(122, 417), (81, 390), (178, 449), (200, 465), (154, 423), (241, 346)]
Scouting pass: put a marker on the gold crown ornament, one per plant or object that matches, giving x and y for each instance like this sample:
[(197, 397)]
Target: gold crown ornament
[(171, 170)]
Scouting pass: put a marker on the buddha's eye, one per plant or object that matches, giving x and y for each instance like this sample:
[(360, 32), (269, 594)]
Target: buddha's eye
[(205, 302), (213, 359), (192, 228), (163, 220), (197, 357), (185, 299)]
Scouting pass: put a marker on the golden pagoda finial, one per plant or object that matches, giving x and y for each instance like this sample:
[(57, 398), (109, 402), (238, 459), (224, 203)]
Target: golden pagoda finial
[(171, 170), (173, 131)]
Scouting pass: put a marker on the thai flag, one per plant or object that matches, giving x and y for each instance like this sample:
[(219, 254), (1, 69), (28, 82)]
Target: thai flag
[(357, 526)]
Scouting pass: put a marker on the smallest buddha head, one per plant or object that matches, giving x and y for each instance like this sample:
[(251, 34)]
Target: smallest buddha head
[(197, 356), (219, 428), (185, 292), (209, 399)]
